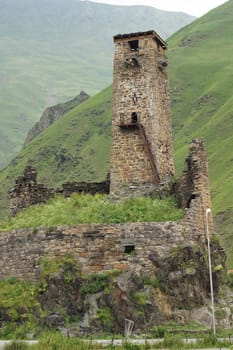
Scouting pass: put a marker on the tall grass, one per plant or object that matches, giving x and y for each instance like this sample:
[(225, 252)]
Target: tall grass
[(81, 209)]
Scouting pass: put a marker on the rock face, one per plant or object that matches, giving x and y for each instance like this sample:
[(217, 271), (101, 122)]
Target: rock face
[(51, 114), (174, 284)]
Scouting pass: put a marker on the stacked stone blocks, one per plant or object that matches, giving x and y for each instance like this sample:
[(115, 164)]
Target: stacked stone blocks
[(140, 96)]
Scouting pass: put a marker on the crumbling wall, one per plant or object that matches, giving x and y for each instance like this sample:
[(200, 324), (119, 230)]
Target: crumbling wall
[(28, 192), (96, 247), (84, 187), (193, 188)]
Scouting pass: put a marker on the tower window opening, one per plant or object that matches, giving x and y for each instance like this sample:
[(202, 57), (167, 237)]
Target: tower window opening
[(134, 118), (158, 47), (193, 196), (133, 44), (129, 249)]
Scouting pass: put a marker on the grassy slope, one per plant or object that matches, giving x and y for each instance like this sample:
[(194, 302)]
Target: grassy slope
[(201, 80), (201, 76), (52, 49), (82, 136), (201, 85)]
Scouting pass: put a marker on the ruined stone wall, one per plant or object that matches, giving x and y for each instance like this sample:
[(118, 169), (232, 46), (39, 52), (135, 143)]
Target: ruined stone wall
[(84, 187), (140, 95), (193, 187), (28, 192), (97, 248)]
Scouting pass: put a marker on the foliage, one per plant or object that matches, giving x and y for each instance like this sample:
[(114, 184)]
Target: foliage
[(172, 341), (95, 209), (49, 266), (158, 332), (17, 345), (141, 298), (56, 341), (94, 283), (105, 316), (230, 280), (211, 340), (154, 282), (17, 298), (200, 86), (19, 304)]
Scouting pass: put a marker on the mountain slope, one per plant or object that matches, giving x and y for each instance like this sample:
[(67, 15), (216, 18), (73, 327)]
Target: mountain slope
[(201, 72), (74, 148), (51, 49), (52, 114)]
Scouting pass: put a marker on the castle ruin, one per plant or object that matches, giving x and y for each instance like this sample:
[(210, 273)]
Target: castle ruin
[(142, 149), (141, 162)]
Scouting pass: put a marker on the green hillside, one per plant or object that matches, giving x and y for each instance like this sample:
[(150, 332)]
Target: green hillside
[(201, 74), (53, 49), (75, 148), (201, 69)]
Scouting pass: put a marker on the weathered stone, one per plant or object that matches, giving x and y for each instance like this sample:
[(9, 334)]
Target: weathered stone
[(142, 151), (170, 256), (28, 192), (193, 188)]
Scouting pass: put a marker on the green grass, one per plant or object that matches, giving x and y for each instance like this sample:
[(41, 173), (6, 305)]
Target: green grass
[(54, 49), (81, 209), (201, 89), (56, 341)]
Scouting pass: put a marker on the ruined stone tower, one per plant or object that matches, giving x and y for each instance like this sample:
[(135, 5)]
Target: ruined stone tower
[(142, 151)]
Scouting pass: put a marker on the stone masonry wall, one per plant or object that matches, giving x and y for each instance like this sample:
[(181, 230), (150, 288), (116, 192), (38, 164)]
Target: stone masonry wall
[(27, 191), (140, 91), (97, 248), (193, 187)]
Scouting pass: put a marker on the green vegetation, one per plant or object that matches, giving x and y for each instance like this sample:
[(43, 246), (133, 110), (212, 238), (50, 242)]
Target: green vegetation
[(56, 341), (95, 283), (19, 304), (200, 71), (81, 209), (17, 345), (50, 266), (80, 153), (105, 316), (202, 107), (53, 50), (189, 330)]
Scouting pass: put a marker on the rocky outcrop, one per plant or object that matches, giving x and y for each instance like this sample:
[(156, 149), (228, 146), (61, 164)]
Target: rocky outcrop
[(149, 273), (52, 114), (174, 285)]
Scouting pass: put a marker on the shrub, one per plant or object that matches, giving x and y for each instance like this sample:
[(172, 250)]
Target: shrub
[(172, 341), (94, 284), (105, 316)]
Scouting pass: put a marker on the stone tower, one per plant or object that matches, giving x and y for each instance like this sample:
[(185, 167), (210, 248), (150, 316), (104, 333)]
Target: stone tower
[(142, 150)]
